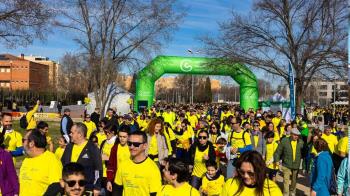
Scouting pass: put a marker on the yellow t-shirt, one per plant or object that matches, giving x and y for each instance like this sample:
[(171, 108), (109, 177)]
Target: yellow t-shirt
[(139, 178), (12, 140), (123, 154), (153, 146), (237, 139), (213, 187), (37, 173), (30, 118), (282, 130), (90, 128), (169, 117), (183, 190), (225, 115), (276, 137), (256, 140), (343, 145), (59, 152), (276, 121), (101, 137), (76, 151), (331, 140), (183, 141), (106, 149), (199, 168), (193, 120), (231, 187), (294, 148), (270, 151)]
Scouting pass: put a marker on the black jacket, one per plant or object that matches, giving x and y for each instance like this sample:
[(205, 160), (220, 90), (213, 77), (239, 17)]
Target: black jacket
[(69, 124), (95, 117), (90, 158), (192, 151)]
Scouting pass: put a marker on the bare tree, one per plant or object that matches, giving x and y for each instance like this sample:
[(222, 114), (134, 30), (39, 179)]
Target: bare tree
[(118, 33), (23, 20), (73, 74), (311, 34)]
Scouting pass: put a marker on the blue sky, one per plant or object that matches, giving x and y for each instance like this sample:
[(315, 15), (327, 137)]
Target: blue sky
[(202, 18)]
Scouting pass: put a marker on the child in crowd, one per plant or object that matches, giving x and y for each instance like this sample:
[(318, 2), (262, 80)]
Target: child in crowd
[(61, 146), (220, 152), (271, 147), (213, 181)]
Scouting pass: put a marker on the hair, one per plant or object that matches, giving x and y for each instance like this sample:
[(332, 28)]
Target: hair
[(104, 121), (269, 134), (38, 138), (176, 166), (238, 120), (203, 131), (221, 140), (72, 168), (111, 128), (93, 139), (321, 145), (125, 129), (81, 127), (211, 163), (255, 159), (152, 126), (6, 114), (42, 125), (64, 139), (185, 121), (2, 138), (140, 133)]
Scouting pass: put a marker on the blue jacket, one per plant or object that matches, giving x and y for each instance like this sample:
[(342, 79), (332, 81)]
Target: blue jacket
[(322, 173), (343, 178)]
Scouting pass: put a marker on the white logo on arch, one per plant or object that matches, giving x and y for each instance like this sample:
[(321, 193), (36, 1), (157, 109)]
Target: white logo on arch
[(185, 66)]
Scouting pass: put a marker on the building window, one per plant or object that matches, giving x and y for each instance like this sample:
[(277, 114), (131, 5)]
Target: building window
[(8, 70), (323, 87), (323, 94)]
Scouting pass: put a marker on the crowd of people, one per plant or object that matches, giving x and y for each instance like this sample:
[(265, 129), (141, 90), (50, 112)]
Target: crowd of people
[(177, 150)]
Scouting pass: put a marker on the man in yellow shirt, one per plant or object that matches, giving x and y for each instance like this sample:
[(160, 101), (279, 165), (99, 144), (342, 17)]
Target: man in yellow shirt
[(43, 127), (87, 154), (91, 127), (138, 175), (12, 138), (276, 120), (41, 168), (331, 139), (175, 173), (30, 116)]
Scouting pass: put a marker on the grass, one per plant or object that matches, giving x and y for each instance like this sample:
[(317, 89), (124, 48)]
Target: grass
[(54, 132)]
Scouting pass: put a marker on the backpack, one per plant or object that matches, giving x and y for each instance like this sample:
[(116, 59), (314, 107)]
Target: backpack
[(244, 132), (23, 123)]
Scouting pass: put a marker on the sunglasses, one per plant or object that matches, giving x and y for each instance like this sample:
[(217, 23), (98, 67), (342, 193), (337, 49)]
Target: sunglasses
[(72, 183), (242, 173), (135, 144), (202, 137)]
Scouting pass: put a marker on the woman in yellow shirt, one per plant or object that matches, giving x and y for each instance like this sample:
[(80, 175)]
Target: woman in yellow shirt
[(183, 137), (251, 178), (158, 148), (201, 151)]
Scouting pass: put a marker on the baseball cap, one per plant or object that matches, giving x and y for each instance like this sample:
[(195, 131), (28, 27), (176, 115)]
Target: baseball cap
[(295, 131)]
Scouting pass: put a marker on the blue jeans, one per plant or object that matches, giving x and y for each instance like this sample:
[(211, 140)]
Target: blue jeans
[(196, 182)]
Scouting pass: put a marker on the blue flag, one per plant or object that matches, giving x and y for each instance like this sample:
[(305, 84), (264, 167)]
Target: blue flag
[(292, 91)]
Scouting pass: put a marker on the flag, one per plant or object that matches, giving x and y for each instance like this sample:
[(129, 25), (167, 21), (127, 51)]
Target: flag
[(292, 91)]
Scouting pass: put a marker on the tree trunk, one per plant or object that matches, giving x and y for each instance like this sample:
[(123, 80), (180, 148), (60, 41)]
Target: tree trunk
[(299, 95)]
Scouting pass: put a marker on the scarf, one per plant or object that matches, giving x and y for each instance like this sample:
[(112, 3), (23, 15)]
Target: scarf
[(216, 176)]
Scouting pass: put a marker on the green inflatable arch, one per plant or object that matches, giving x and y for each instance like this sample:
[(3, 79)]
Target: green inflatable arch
[(194, 65)]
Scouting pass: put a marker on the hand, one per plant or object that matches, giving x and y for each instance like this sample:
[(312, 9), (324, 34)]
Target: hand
[(38, 102), (313, 193), (105, 157), (234, 150), (109, 186), (96, 192), (205, 157)]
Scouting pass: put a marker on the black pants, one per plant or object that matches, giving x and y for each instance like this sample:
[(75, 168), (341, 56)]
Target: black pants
[(336, 161)]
